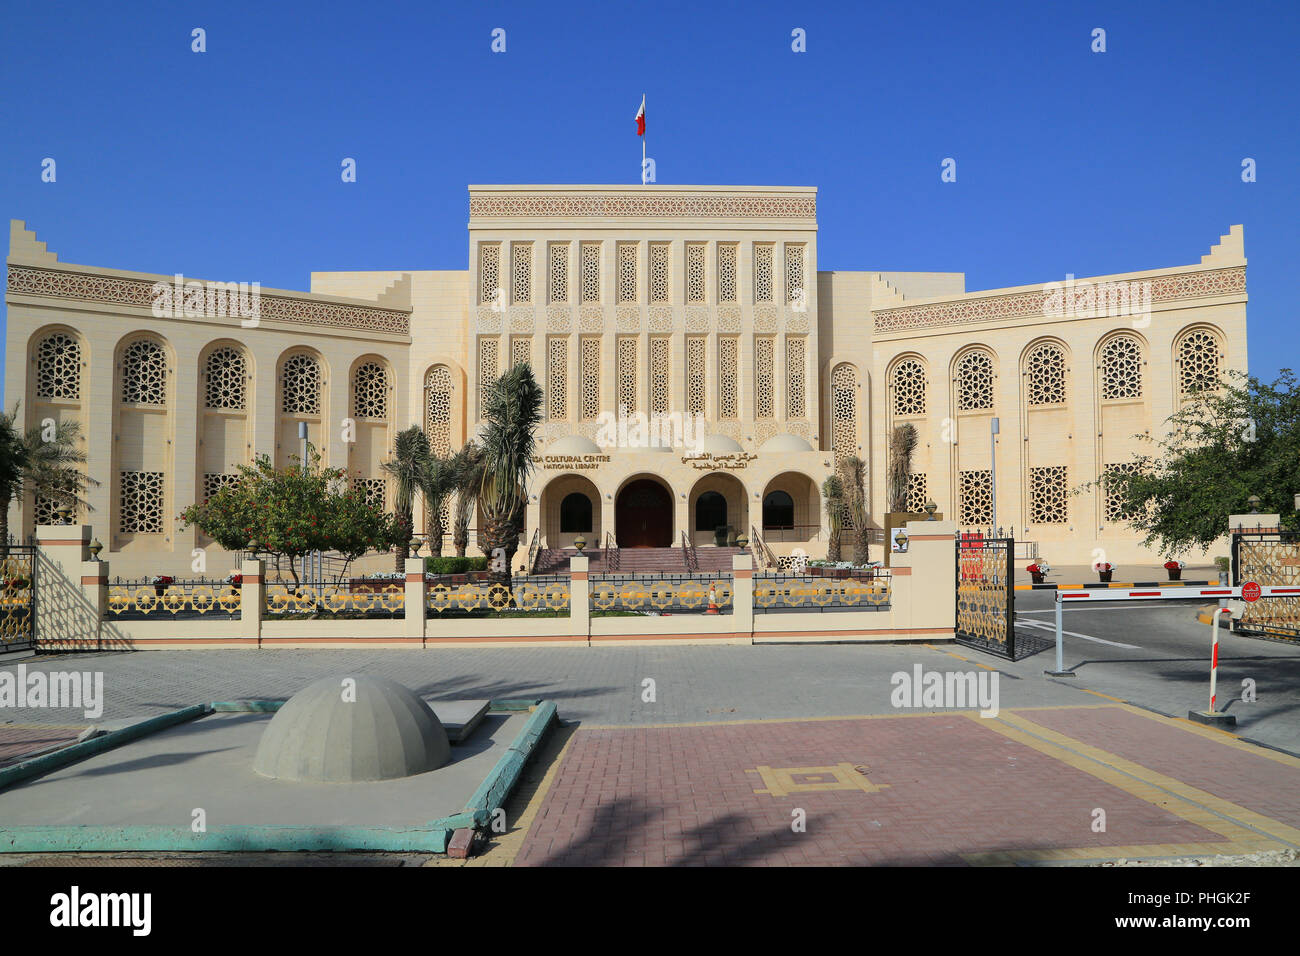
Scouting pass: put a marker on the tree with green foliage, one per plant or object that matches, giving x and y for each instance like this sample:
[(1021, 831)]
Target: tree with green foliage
[(45, 461), (408, 466), (833, 492), (294, 511), (441, 477), (511, 413), (1221, 447)]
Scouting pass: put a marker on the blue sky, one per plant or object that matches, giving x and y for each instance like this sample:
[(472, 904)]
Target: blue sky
[(225, 165)]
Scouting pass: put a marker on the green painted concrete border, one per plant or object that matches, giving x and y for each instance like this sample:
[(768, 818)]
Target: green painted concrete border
[(430, 838)]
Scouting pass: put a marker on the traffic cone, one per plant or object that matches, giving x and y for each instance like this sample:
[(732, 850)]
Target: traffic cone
[(713, 600)]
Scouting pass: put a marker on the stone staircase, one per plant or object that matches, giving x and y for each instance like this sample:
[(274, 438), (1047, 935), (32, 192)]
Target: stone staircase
[(637, 560)]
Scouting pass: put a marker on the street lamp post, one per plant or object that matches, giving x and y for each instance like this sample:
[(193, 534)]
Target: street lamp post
[(993, 470)]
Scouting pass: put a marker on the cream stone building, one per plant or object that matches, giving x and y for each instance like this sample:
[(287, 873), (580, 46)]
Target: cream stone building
[(685, 302)]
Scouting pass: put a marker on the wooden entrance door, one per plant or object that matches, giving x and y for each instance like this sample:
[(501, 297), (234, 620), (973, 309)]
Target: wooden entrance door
[(643, 515)]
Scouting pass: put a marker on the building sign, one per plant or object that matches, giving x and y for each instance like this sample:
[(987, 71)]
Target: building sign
[(705, 459), (571, 462)]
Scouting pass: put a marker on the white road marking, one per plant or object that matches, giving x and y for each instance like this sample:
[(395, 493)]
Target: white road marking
[(1083, 607), (1044, 626)]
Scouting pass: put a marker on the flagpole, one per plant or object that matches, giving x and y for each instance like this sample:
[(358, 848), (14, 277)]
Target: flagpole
[(643, 146)]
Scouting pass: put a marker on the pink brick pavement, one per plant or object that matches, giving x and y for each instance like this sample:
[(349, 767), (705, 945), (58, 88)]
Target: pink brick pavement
[(681, 796), (16, 740)]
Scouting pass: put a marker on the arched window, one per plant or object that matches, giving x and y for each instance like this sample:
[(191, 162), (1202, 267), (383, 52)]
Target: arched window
[(778, 510), (301, 388), (437, 409), (908, 383), (226, 378), (575, 514), (1200, 360), (1045, 375), (844, 411), (58, 367), (975, 382), (710, 511), (144, 373), (370, 391), (1121, 368)]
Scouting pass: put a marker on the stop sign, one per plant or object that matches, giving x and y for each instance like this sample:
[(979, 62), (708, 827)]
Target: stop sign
[(1250, 591)]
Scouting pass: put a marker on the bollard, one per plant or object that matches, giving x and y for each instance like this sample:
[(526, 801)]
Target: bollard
[(1060, 663), (1212, 716)]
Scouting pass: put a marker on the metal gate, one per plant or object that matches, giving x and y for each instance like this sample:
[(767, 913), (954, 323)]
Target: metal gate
[(18, 599), (1269, 558), (986, 594)]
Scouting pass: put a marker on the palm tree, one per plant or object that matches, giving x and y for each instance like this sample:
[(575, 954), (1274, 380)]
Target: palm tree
[(410, 460), (44, 461), (440, 478), (511, 414), (833, 492), (855, 474), (901, 446)]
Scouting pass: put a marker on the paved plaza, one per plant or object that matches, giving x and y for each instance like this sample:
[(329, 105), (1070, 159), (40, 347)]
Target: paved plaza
[(771, 755)]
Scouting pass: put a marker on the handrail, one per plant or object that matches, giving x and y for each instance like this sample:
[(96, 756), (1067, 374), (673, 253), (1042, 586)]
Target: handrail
[(691, 559), (766, 558), (534, 550), (611, 553)]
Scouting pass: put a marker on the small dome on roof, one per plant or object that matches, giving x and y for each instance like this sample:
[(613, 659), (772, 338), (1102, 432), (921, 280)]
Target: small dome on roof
[(573, 445), (720, 445), (786, 442)]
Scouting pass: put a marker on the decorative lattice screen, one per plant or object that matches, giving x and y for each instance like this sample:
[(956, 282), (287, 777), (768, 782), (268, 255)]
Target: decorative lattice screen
[(1121, 368), (763, 272), (489, 271), (1045, 372), (559, 272), (1048, 495), (975, 497), (521, 272), (58, 367), (226, 375), (557, 378), (908, 384), (140, 504), (144, 373), (844, 412), (626, 272), (437, 409), (975, 382), (795, 398), (659, 272), (488, 353), (794, 287), (1113, 509), (590, 272), (695, 252), (660, 364), (764, 387), (590, 375), (300, 385), (627, 349), (696, 349), (728, 368), (1199, 361), (727, 271), (370, 391)]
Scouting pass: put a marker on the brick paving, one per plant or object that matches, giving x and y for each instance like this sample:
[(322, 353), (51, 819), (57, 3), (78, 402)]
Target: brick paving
[(950, 787), (18, 740)]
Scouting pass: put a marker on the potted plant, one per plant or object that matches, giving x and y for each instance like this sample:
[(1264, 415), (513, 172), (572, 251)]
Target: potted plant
[(161, 582), (1224, 564), (234, 579), (1175, 569), (720, 536), (1104, 570), (1037, 571)]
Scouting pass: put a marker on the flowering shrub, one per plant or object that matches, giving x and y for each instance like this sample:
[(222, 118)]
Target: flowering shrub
[(1103, 566), (162, 580), (1174, 565)]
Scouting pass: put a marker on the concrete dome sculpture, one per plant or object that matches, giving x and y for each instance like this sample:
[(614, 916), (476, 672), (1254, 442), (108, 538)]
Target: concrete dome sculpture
[(786, 442), (344, 730), (720, 445)]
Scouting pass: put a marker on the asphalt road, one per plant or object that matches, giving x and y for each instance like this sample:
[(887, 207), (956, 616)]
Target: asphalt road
[(1156, 654)]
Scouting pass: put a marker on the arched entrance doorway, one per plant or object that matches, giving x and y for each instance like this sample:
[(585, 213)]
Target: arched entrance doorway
[(718, 501), (643, 515), (570, 507)]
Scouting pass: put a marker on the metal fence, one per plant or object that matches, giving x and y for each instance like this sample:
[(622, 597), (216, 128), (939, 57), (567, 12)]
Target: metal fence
[(18, 598), (143, 600), (540, 593), (342, 599), (661, 593), (858, 591)]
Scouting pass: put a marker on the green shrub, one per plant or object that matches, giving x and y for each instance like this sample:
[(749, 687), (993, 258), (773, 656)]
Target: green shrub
[(454, 565)]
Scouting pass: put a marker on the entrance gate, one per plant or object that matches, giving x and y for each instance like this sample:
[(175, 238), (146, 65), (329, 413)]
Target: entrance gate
[(986, 594), (1270, 559), (18, 599)]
